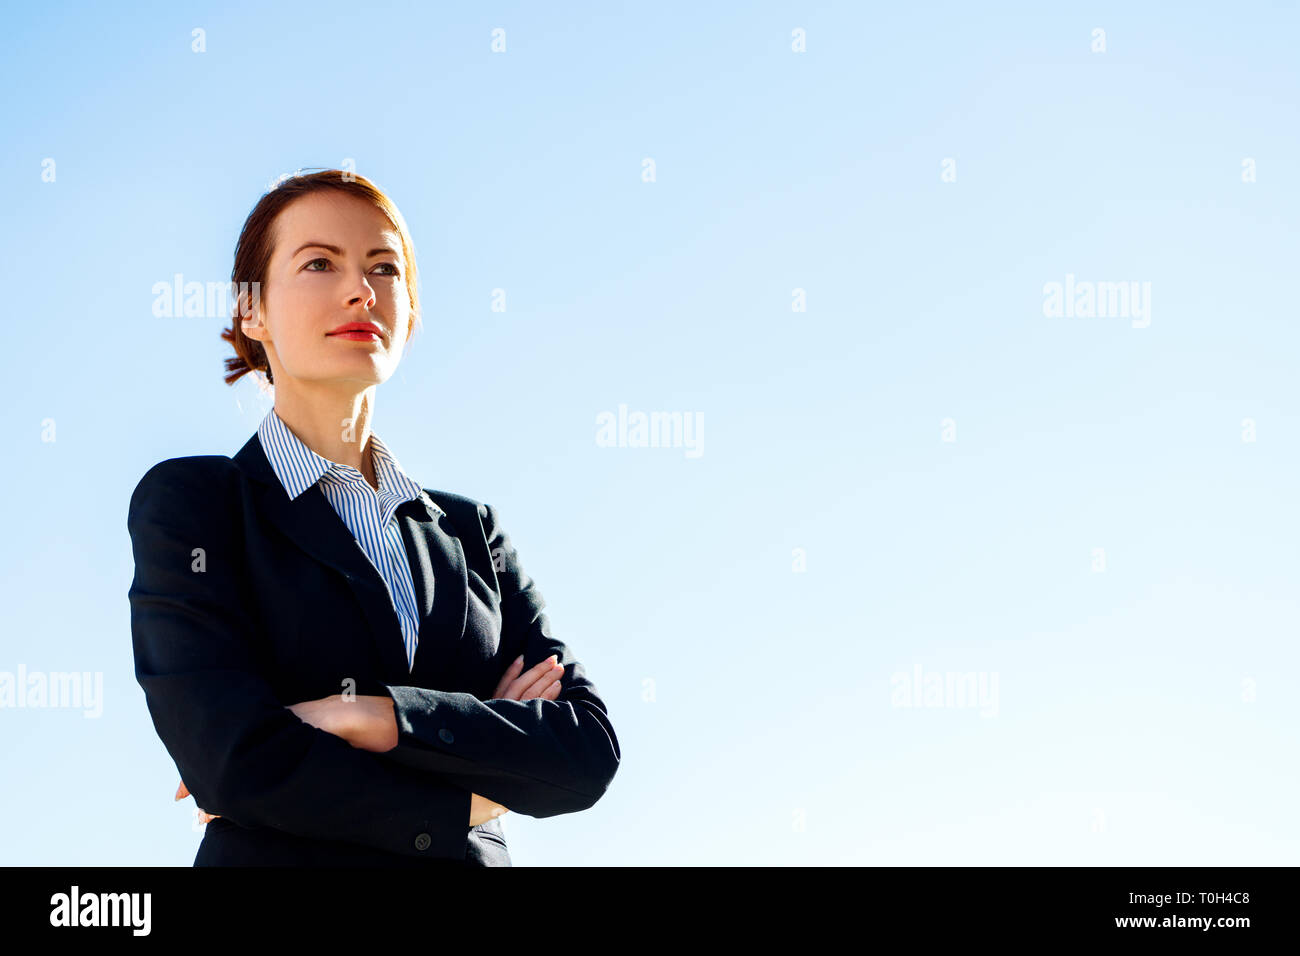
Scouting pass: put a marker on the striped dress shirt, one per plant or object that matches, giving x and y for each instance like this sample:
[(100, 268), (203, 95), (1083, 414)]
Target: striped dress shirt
[(369, 515)]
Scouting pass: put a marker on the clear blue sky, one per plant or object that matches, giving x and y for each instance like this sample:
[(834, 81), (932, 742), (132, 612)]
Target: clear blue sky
[(1144, 714)]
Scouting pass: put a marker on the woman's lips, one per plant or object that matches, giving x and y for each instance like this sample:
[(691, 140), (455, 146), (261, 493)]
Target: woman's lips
[(356, 336)]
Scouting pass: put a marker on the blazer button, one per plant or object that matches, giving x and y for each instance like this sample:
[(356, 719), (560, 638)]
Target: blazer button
[(446, 735), (422, 841)]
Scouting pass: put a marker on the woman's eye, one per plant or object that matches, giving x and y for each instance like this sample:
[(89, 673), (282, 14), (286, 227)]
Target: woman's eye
[(396, 271)]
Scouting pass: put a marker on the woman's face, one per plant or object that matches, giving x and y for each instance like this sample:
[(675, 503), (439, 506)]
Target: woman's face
[(311, 290)]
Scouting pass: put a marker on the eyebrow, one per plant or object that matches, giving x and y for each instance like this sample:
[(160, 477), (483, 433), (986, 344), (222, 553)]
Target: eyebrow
[(381, 251)]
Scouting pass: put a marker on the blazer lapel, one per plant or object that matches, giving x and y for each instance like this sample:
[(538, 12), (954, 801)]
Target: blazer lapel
[(437, 564)]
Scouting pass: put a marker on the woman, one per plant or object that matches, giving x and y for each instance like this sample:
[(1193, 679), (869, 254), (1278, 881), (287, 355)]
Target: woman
[(347, 668)]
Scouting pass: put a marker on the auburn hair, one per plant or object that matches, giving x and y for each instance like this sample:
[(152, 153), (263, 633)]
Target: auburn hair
[(257, 243)]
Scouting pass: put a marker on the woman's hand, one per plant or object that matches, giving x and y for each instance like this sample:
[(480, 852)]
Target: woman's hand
[(204, 817), (481, 810), (542, 680), (368, 721), (365, 721)]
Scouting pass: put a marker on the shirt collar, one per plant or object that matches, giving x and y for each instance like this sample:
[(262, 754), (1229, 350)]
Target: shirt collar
[(298, 467)]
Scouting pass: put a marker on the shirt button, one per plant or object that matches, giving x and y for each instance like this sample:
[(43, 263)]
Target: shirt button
[(422, 841), (446, 735)]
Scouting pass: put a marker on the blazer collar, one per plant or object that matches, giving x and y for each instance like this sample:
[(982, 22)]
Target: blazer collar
[(432, 545)]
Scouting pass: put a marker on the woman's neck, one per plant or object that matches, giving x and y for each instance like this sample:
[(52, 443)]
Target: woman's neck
[(335, 425)]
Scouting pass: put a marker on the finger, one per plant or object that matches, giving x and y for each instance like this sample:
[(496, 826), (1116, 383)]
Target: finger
[(536, 689), (542, 669), (539, 669), (181, 792), (511, 673), (552, 692)]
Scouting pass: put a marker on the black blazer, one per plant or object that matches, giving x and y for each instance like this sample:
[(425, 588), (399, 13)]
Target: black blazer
[(244, 602)]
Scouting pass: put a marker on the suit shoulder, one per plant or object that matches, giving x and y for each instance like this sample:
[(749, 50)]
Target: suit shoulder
[(189, 469), (457, 506), (466, 512), (187, 477)]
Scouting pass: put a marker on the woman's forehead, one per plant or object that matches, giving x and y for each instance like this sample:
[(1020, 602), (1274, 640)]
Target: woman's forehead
[(334, 221)]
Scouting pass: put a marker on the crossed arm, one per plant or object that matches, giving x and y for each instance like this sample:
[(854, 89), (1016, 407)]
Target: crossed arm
[(368, 722), (245, 755)]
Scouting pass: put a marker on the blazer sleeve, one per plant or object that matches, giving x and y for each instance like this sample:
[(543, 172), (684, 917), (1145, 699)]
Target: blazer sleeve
[(241, 752), (536, 757)]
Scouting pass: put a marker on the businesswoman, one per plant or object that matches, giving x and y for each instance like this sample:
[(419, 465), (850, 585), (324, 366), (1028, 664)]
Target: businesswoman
[(346, 667)]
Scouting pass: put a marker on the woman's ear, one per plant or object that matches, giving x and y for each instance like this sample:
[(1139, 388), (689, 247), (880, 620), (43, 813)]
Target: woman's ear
[(253, 326)]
